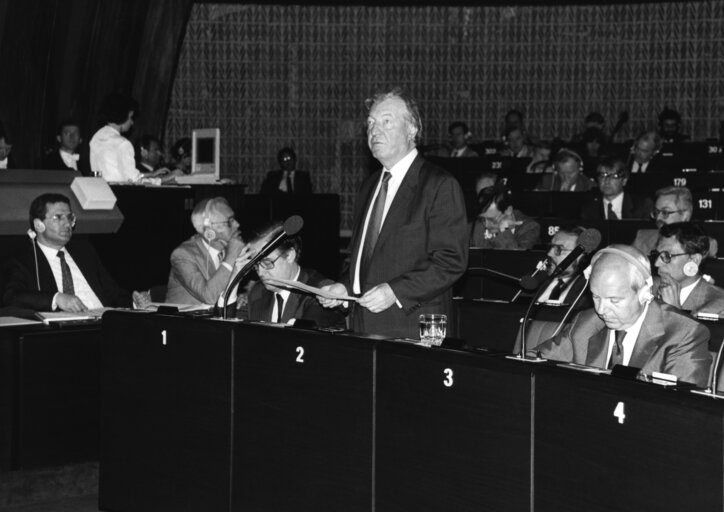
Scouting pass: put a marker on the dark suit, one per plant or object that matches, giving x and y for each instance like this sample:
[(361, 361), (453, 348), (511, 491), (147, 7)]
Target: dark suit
[(421, 251), (573, 289), (657, 164), (301, 184), (21, 287), (668, 342), (53, 161), (705, 297), (553, 182), (633, 207), (298, 305)]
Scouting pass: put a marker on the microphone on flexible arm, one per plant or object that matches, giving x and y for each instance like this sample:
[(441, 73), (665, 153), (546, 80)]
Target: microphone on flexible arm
[(588, 241), (291, 227), (531, 282)]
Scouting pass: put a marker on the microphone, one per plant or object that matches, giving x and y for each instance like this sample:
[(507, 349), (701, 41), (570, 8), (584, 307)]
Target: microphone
[(588, 241), (531, 282), (291, 227)]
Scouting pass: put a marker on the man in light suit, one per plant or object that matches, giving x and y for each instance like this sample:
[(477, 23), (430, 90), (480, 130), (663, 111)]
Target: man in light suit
[(202, 266), (409, 240), (627, 327), (55, 273), (270, 302), (679, 256)]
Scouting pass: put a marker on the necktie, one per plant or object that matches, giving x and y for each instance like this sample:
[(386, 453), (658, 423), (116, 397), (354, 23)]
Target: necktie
[(66, 277), (617, 352), (641, 168), (375, 223), (280, 307), (611, 215), (557, 289), (219, 258)]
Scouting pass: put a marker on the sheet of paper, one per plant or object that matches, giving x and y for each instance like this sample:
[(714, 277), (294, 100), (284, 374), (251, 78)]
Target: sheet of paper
[(181, 307), (296, 285), (7, 321)]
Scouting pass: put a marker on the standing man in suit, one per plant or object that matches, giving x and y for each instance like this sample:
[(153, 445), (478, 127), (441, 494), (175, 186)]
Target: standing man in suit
[(67, 157), (627, 327), (57, 274), (288, 180), (614, 203), (269, 302), (679, 256), (203, 265), (409, 238)]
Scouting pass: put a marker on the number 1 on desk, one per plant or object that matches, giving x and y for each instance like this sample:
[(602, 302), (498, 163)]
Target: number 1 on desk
[(163, 337)]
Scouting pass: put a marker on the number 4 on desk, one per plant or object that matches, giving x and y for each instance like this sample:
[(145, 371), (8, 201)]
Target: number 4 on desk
[(619, 413)]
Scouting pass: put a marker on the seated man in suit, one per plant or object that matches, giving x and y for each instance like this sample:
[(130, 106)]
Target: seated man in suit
[(679, 256), (150, 156), (669, 126), (57, 274), (269, 302), (614, 203), (517, 143), (626, 326), (645, 154), (568, 286), (203, 265), (459, 137), (67, 157), (672, 204), (288, 180), (567, 174), (498, 225)]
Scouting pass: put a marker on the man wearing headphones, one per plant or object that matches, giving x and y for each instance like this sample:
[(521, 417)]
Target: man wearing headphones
[(644, 154), (627, 327), (202, 266), (679, 255), (57, 274), (567, 174)]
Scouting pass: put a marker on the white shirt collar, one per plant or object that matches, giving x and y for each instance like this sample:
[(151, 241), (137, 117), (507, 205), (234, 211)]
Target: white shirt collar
[(629, 341), (617, 204), (213, 252), (686, 291), (4, 163)]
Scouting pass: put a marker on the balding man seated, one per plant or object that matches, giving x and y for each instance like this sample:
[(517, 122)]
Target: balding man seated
[(679, 256), (627, 327)]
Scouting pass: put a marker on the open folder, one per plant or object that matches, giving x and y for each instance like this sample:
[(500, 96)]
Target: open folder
[(290, 284)]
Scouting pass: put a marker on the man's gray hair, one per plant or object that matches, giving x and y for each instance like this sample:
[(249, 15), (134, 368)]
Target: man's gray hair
[(413, 111), (202, 212)]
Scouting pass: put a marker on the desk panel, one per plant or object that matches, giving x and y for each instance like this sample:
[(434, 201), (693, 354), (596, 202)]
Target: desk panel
[(303, 421), (605, 444), (453, 431)]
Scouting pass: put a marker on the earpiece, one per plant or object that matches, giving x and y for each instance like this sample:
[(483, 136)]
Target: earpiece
[(690, 269), (644, 294), (39, 225), (209, 234), (32, 234)]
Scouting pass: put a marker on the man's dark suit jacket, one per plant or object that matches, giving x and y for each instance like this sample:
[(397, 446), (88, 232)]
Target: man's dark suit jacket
[(656, 165), (669, 342), (298, 305), (633, 207), (21, 285), (53, 161), (302, 183), (553, 182), (421, 251)]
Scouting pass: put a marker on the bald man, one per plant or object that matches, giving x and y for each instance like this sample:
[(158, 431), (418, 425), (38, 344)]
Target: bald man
[(627, 327)]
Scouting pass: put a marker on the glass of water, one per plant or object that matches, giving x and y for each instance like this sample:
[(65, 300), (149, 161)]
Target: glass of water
[(433, 329)]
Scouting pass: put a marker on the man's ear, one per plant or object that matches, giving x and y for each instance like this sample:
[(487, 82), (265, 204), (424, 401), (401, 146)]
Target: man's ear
[(57, 137)]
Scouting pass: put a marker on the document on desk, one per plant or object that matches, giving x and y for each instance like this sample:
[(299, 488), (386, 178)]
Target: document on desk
[(296, 285), (183, 308), (9, 321), (48, 317)]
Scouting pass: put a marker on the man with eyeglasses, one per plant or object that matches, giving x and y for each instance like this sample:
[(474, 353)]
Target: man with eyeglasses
[(671, 204), (614, 202), (679, 256), (269, 301), (203, 265), (55, 273), (566, 287)]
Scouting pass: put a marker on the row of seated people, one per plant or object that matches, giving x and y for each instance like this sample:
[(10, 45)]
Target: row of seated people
[(112, 156), (54, 273)]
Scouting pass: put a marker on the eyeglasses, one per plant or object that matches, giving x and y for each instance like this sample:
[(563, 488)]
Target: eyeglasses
[(59, 217), (228, 222), (557, 249), (664, 213), (603, 176), (665, 255), (266, 263)]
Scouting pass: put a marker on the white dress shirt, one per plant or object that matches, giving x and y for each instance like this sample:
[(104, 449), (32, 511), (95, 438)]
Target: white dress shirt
[(69, 159), (616, 203), (112, 154), (82, 289), (686, 291), (629, 341), (398, 173)]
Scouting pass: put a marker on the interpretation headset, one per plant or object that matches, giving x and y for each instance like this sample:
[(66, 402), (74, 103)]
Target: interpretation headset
[(644, 294), (209, 234), (40, 227)]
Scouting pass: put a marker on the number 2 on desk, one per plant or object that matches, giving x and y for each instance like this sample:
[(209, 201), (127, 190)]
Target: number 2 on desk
[(300, 355)]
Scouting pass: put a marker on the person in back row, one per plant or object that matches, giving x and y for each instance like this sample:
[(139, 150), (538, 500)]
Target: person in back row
[(614, 202), (567, 174), (66, 156), (500, 226)]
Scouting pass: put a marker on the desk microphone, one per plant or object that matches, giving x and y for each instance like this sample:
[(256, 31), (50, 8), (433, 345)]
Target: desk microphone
[(291, 227), (588, 241)]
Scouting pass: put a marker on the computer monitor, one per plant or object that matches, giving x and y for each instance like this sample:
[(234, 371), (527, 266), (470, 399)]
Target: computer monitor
[(205, 145)]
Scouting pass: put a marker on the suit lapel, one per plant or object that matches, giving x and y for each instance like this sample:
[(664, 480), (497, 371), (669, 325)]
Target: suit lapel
[(45, 274), (360, 223), (696, 296), (397, 214), (598, 349), (650, 336), (626, 207), (294, 300), (208, 260)]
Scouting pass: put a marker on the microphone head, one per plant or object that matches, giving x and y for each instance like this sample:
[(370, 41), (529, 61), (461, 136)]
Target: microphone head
[(294, 224), (531, 283), (590, 239)]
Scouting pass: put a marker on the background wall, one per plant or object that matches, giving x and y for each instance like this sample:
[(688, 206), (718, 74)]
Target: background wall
[(270, 76)]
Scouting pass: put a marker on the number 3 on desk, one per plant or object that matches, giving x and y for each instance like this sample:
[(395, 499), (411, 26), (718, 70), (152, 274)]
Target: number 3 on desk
[(448, 380)]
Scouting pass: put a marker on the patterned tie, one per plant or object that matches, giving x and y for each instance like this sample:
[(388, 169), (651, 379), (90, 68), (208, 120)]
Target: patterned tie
[(611, 214), (66, 276), (617, 352), (375, 224), (280, 307)]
